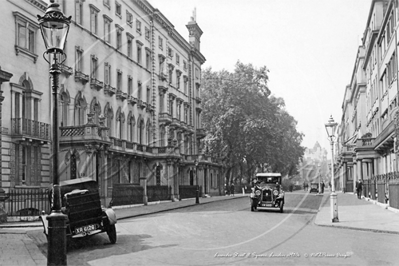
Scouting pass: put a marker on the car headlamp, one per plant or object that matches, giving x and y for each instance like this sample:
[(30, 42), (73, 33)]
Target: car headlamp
[(275, 192), (257, 192)]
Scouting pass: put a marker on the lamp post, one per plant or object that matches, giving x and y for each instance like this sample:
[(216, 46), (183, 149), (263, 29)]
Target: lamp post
[(318, 168), (54, 26), (196, 177), (330, 128)]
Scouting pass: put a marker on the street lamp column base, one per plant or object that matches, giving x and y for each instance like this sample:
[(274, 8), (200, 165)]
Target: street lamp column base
[(56, 239), (197, 196), (334, 207)]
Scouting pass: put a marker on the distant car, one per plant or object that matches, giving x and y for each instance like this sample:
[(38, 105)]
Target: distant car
[(314, 187), (85, 215), (267, 192)]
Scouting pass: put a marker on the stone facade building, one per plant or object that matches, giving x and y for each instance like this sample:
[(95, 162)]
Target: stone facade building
[(367, 136), (129, 99)]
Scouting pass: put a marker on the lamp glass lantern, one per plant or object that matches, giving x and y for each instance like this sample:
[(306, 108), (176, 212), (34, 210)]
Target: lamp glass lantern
[(330, 127), (54, 26)]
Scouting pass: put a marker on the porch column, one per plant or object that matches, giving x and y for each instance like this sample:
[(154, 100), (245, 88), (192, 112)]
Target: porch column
[(102, 174), (371, 168), (206, 179), (350, 174), (4, 77), (365, 164), (173, 180), (200, 171), (360, 170), (88, 166), (143, 183), (354, 167)]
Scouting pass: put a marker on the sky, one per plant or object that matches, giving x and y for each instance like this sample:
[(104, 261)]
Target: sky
[(309, 46)]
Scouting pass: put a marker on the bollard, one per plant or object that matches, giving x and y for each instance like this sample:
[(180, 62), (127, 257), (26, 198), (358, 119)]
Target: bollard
[(56, 239)]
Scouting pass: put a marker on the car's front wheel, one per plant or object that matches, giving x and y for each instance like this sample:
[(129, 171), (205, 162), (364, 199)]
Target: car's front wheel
[(281, 206), (111, 232)]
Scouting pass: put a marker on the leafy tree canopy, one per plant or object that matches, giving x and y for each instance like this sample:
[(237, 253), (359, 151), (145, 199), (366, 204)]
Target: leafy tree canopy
[(247, 127)]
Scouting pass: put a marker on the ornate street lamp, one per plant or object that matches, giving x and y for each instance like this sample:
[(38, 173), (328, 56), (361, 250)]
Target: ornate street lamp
[(318, 171), (196, 177), (330, 128), (54, 26)]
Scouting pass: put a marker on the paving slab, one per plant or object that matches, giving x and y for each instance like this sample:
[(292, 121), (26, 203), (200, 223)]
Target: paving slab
[(358, 214)]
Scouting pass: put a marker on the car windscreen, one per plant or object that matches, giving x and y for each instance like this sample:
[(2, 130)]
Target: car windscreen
[(269, 179)]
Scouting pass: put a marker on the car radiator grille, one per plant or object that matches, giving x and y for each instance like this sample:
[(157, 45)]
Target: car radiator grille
[(267, 195)]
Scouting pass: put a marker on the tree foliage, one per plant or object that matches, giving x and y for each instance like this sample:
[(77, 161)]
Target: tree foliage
[(246, 126)]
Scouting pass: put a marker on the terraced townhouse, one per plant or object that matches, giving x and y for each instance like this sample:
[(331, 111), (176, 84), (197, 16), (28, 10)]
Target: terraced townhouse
[(129, 103)]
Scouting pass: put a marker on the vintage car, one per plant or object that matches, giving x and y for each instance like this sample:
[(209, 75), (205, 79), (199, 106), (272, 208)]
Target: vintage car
[(314, 187), (267, 192), (81, 203)]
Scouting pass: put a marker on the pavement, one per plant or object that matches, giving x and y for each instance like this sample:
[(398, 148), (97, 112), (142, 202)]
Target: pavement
[(16, 248), (359, 214)]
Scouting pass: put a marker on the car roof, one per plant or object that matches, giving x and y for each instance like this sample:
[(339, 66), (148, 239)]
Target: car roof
[(268, 174), (76, 181)]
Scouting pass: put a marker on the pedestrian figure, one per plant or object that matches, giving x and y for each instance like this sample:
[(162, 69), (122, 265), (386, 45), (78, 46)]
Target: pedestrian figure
[(322, 187), (232, 189), (359, 189), (226, 190)]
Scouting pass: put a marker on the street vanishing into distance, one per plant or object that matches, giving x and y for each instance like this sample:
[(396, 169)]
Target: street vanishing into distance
[(228, 233)]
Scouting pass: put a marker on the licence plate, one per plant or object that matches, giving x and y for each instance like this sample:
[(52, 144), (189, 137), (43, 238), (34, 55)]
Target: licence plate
[(86, 228)]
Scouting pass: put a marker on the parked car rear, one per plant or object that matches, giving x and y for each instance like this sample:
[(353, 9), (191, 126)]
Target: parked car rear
[(81, 203)]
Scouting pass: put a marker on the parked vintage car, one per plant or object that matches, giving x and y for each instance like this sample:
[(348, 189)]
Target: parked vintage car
[(81, 203), (314, 187), (267, 192)]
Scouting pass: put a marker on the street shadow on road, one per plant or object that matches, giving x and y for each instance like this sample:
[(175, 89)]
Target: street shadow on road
[(291, 211), (81, 251)]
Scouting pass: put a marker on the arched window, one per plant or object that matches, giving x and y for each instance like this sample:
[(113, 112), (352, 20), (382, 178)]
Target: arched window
[(109, 115), (148, 132), (120, 119), (64, 103), (131, 127), (74, 165), (162, 136), (95, 109), (141, 128), (72, 158), (158, 175), (191, 177), (186, 151), (80, 110)]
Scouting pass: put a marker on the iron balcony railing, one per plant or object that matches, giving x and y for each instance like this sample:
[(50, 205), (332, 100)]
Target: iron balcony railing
[(84, 133), (30, 128)]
